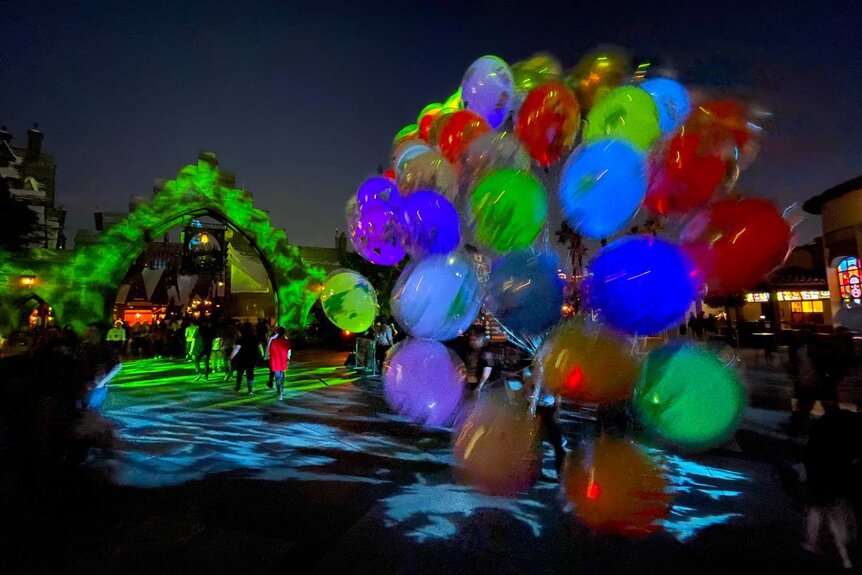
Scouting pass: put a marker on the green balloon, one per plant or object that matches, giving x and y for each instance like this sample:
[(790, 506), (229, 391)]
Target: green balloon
[(687, 396), (628, 113), (509, 207), (349, 301)]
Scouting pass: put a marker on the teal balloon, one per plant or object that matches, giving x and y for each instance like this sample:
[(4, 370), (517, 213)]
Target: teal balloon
[(602, 186), (437, 297), (687, 396)]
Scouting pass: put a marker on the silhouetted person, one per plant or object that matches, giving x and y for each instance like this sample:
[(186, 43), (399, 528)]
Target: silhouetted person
[(246, 353)]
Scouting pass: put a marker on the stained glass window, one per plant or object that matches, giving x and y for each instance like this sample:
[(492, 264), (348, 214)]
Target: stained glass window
[(848, 281)]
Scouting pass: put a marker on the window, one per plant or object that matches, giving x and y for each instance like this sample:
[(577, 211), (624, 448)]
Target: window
[(806, 311), (848, 281)]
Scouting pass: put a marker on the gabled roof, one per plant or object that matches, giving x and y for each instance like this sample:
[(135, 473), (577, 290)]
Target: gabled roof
[(815, 204)]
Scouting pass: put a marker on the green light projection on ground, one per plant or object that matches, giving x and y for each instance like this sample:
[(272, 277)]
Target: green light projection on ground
[(81, 285)]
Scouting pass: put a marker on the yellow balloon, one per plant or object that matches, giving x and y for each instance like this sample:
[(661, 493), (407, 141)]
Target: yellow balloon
[(599, 72), (594, 366)]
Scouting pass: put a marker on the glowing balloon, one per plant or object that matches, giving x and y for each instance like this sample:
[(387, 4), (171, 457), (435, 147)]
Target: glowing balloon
[(374, 233), (458, 131), (618, 488), (428, 224), (377, 188), (688, 397), (683, 174), (487, 89), (536, 70), (490, 152), (509, 208), (349, 301), (599, 72), (548, 122), (428, 171), (588, 365), (602, 186), (424, 381), (735, 243), (525, 292), (497, 448), (641, 284), (455, 101), (437, 297), (627, 113), (672, 102), (426, 118), (407, 151), (408, 132)]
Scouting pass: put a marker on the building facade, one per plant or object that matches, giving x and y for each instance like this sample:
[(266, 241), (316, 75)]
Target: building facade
[(30, 175)]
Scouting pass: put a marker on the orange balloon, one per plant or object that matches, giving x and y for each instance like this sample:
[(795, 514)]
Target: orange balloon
[(594, 367), (599, 72), (460, 129), (497, 448), (616, 487)]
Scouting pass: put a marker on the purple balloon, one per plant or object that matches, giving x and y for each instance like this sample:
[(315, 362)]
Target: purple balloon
[(377, 188), (488, 88), (428, 224), (424, 381), (374, 233)]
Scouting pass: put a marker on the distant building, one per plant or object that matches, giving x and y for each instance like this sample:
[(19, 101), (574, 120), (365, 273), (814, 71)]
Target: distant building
[(30, 175), (840, 211)]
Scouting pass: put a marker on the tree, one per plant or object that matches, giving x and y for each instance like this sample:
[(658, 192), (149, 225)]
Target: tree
[(17, 221)]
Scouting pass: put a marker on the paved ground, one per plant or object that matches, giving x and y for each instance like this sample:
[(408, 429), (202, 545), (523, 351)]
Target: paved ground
[(205, 480)]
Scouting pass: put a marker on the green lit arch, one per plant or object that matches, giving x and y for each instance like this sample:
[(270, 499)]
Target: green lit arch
[(82, 289)]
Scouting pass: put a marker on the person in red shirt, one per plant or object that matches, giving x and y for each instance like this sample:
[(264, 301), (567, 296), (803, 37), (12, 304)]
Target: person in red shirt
[(279, 357)]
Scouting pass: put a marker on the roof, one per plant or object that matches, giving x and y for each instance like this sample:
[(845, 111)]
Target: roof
[(815, 205), (795, 276)]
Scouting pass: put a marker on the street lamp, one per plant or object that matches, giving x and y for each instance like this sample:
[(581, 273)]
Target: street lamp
[(28, 281)]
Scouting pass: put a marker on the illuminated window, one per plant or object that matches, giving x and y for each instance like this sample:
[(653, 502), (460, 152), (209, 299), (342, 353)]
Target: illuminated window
[(806, 311), (848, 281)]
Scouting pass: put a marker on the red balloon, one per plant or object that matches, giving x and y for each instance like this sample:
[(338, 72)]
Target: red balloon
[(389, 174), (548, 122), (735, 243), (460, 129), (683, 175), (426, 121)]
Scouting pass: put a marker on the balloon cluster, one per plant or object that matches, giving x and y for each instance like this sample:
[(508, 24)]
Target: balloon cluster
[(624, 142)]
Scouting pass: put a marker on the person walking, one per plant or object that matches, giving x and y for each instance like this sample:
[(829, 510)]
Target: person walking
[(279, 359), (383, 341), (202, 349), (246, 353), (191, 331)]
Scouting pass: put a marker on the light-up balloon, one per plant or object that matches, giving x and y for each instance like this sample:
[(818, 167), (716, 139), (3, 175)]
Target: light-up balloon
[(406, 151), (628, 113), (525, 291), (688, 397), (428, 224), (671, 100), (426, 118), (602, 186), (735, 243), (437, 297), (349, 301), (374, 233), (684, 174), (592, 365), (641, 284), (428, 171), (548, 122), (598, 73), (509, 208), (616, 487), (487, 89), (490, 152), (377, 188), (424, 381), (458, 131), (497, 448)]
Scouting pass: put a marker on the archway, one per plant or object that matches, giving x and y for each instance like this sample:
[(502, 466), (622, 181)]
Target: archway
[(82, 289)]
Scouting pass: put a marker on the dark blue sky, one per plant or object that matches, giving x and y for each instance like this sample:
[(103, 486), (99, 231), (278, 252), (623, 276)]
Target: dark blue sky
[(301, 100)]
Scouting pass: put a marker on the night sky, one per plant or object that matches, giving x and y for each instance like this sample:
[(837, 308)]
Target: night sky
[(301, 102)]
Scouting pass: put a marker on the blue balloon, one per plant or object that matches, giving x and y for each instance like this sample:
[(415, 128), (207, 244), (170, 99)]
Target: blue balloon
[(377, 188), (602, 185), (437, 297), (641, 284), (672, 102), (428, 224), (525, 292)]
